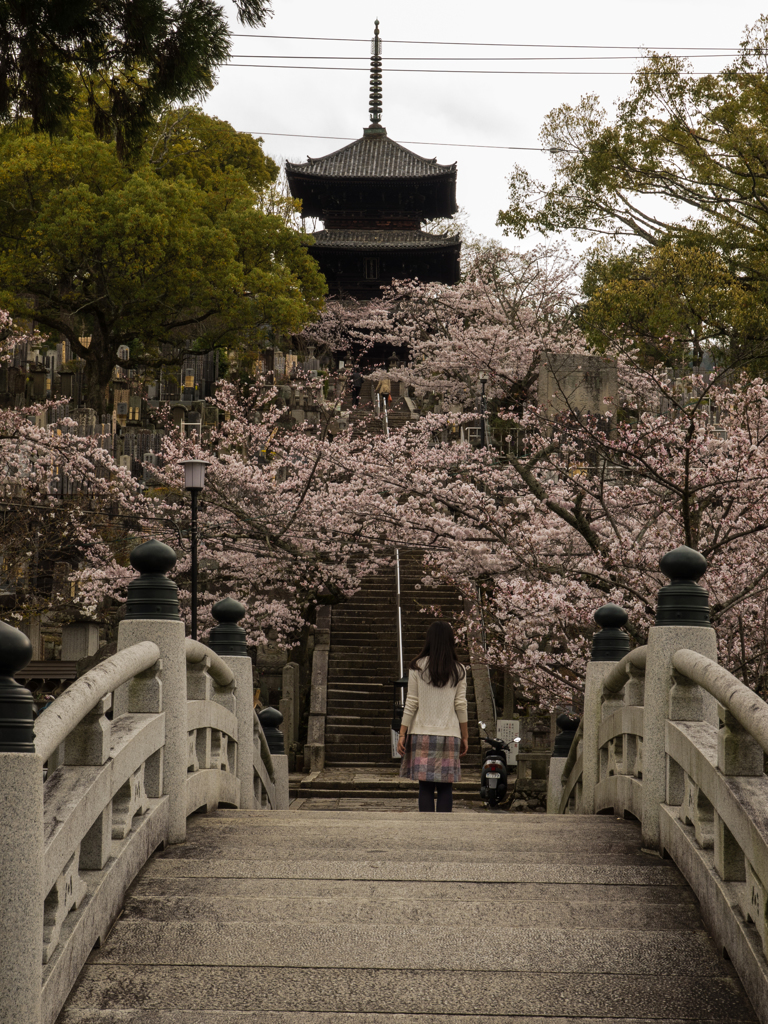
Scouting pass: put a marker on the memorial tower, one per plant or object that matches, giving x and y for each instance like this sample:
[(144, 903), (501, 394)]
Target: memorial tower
[(372, 197)]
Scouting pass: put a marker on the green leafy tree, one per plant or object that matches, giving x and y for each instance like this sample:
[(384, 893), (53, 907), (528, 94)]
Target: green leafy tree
[(146, 259), (130, 58), (669, 304), (680, 172)]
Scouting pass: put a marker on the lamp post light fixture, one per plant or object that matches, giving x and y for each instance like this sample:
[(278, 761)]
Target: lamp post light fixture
[(483, 378), (194, 482)]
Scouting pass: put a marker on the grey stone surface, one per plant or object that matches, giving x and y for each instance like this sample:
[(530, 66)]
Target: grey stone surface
[(242, 670), (106, 890), (291, 694), (663, 641), (415, 871), (342, 893), (410, 945), (169, 637), (361, 850), (730, 929), (57, 722), (318, 697), (596, 673), (258, 917), (509, 910), (710, 998), (555, 784), (21, 886), (75, 1016), (280, 766)]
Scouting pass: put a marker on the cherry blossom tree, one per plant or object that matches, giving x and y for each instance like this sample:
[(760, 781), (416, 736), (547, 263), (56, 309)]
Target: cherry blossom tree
[(576, 508), (275, 528)]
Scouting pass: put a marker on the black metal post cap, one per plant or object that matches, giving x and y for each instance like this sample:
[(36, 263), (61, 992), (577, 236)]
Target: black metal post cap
[(17, 706), (227, 638), (270, 718), (568, 724), (611, 643), (152, 595), (153, 557), (682, 602)]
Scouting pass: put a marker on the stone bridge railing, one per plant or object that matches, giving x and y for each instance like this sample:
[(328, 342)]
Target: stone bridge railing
[(671, 738), (110, 772)]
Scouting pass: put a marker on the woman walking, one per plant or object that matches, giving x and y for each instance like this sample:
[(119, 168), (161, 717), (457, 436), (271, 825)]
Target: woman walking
[(433, 735)]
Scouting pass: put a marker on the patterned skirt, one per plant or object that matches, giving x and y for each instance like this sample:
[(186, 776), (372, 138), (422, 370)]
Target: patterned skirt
[(431, 758)]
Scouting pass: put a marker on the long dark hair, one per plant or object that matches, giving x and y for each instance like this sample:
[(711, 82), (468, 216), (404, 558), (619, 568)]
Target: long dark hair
[(440, 651)]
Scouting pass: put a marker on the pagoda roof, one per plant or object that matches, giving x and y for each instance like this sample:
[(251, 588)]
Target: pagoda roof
[(359, 238), (375, 155)]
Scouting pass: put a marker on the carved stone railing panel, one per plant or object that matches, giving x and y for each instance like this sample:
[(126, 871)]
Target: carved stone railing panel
[(129, 755)]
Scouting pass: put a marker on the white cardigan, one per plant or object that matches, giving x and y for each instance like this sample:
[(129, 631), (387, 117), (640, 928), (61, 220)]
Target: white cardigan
[(434, 710)]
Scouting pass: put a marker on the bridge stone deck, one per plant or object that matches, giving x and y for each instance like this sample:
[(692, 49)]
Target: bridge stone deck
[(377, 918)]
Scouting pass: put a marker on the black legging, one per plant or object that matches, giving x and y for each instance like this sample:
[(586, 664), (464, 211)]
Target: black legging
[(427, 796)]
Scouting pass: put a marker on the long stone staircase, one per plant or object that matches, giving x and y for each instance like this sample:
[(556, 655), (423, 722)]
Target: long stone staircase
[(363, 663)]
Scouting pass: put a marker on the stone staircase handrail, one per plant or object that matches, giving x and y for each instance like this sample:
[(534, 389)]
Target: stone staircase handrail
[(677, 742), (573, 753), (749, 710), (266, 757), (616, 679), (195, 652), (62, 716), (162, 729)]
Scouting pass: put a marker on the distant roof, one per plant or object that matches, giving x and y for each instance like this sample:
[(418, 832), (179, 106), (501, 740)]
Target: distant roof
[(358, 238), (375, 155)]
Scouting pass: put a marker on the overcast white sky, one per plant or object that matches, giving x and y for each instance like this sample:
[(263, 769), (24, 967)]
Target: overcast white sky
[(423, 109)]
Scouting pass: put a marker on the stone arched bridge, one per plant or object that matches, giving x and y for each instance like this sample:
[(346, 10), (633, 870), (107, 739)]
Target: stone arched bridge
[(122, 902)]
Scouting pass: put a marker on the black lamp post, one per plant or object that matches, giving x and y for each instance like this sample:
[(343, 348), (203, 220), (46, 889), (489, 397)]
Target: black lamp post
[(483, 378), (194, 482)]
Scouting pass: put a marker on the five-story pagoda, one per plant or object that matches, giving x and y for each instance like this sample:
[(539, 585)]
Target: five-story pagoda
[(372, 197)]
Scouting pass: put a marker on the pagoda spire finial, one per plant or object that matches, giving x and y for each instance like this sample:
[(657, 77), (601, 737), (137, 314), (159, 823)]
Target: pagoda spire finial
[(374, 108)]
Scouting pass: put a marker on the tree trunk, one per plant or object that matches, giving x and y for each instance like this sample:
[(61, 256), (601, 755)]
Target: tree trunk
[(96, 378)]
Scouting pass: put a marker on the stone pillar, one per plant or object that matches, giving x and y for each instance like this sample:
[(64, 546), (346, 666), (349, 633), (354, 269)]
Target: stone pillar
[(291, 698), (608, 647), (22, 860), (79, 640), (682, 621), (510, 684), (314, 751), (271, 719), (289, 709), (568, 724), (153, 614), (533, 761), (228, 640)]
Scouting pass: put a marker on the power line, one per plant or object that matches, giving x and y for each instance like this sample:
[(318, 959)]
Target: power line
[(461, 71), (364, 57), (436, 42), (403, 142)]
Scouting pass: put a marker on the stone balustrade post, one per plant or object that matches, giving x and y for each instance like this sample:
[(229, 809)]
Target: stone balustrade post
[(228, 640), (153, 614), (22, 860), (568, 724), (608, 647), (682, 621), (271, 719)]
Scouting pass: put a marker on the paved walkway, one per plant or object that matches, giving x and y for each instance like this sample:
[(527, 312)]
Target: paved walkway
[(377, 918)]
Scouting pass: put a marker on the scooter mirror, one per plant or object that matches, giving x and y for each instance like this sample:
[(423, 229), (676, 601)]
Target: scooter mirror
[(481, 724), (516, 739)]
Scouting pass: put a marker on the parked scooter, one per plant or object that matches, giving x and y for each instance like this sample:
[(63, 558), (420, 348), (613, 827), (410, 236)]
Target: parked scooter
[(494, 774)]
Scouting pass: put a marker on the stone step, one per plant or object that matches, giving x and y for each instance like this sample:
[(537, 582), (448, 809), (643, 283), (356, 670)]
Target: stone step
[(380, 748), (371, 782), (471, 795)]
